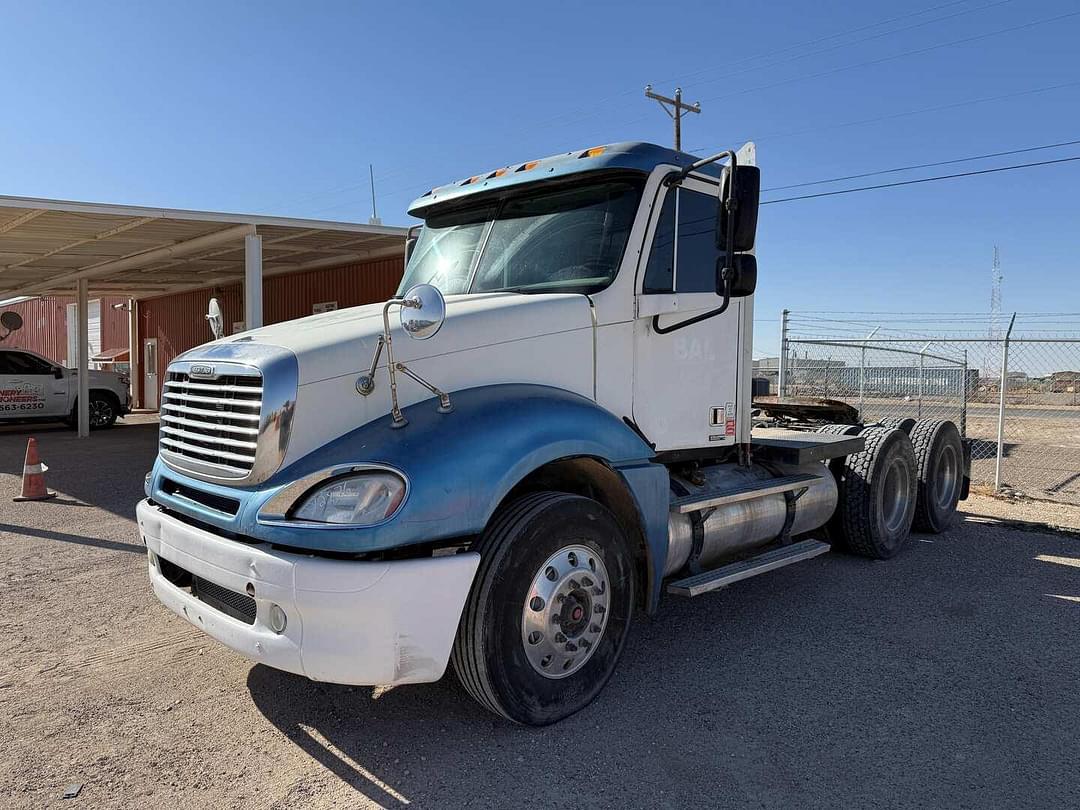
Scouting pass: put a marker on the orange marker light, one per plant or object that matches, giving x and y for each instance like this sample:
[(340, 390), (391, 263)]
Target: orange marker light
[(532, 164), (594, 152)]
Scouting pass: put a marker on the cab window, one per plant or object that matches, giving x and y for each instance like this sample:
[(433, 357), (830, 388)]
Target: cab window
[(683, 255)]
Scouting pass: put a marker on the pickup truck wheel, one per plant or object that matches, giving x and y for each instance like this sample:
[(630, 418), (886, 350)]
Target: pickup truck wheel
[(548, 614), (877, 490), (939, 459), (104, 410)]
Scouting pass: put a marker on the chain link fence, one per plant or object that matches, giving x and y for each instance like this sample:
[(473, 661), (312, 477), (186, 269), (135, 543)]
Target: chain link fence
[(1013, 388)]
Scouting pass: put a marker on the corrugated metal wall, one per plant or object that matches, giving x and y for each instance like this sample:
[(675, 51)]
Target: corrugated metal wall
[(179, 321), (45, 326)]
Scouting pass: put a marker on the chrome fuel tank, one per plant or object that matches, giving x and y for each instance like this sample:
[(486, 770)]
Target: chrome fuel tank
[(731, 528)]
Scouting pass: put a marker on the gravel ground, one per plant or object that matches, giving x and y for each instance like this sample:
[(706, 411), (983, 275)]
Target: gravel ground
[(946, 677)]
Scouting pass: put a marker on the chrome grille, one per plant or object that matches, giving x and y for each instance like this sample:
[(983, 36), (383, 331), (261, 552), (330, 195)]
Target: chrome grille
[(211, 423)]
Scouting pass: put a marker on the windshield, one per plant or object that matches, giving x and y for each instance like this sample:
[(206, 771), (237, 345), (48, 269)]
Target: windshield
[(563, 240)]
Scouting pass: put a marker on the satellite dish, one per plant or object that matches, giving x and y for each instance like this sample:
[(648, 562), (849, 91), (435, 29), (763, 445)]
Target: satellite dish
[(213, 315), (11, 321)]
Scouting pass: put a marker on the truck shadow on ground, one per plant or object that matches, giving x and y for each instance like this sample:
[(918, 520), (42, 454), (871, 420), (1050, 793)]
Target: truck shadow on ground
[(765, 693)]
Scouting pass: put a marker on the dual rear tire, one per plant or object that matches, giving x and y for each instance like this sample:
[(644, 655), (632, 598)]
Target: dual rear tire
[(909, 476)]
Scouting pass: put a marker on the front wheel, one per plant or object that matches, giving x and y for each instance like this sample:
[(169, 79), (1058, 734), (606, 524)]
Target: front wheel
[(549, 611)]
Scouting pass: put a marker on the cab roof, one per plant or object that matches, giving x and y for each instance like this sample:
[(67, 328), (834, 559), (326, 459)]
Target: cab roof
[(632, 155)]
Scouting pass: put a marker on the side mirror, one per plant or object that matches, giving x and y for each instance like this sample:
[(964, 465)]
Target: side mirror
[(744, 277), (423, 311), (58, 372), (747, 191)]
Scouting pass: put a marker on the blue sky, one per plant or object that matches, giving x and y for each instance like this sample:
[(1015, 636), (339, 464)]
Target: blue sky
[(279, 107)]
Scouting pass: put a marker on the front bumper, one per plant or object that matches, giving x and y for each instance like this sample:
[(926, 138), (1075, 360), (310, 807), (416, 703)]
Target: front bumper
[(363, 623)]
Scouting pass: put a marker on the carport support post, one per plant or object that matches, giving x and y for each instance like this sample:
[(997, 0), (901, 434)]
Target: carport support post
[(1003, 386), (83, 356), (253, 314), (134, 360)]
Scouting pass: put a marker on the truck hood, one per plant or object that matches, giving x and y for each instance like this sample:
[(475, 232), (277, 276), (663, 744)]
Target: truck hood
[(342, 343), (486, 339)]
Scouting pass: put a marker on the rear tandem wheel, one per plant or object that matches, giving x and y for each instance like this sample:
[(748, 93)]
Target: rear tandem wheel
[(877, 494)]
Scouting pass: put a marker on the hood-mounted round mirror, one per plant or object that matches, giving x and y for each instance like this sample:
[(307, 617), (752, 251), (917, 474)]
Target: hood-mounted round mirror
[(213, 316), (423, 310)]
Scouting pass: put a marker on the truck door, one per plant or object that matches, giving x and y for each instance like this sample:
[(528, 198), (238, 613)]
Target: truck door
[(686, 382), (29, 387)]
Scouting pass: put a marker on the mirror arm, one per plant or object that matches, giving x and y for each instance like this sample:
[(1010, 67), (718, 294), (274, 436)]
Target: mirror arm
[(723, 282), (365, 383), (663, 330), (398, 419), (444, 398)]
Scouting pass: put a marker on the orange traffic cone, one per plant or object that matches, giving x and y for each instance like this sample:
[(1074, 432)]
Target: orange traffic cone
[(33, 482)]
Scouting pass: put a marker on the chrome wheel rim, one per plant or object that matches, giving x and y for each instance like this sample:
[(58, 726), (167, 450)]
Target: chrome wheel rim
[(565, 611), (895, 494), (946, 477), (100, 412)]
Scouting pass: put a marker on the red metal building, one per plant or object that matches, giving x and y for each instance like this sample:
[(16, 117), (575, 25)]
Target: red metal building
[(47, 331), (172, 324)]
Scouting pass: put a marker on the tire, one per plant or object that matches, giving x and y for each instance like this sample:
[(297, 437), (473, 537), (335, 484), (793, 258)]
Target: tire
[(904, 423), (939, 460), (496, 654), (840, 430), (877, 493), (104, 410)]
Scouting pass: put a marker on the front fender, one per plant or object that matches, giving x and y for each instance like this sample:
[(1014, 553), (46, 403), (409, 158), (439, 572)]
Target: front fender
[(460, 465)]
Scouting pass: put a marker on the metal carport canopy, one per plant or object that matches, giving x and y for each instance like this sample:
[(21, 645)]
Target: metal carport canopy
[(58, 247)]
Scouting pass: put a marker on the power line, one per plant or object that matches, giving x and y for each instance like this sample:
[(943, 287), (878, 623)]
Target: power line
[(892, 57), (923, 180), (594, 108), (859, 41), (924, 165), (892, 116)]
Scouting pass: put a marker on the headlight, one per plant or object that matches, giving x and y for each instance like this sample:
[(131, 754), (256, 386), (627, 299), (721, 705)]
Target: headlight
[(358, 500)]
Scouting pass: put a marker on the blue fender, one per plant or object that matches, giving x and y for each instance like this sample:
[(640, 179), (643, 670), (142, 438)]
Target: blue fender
[(460, 466)]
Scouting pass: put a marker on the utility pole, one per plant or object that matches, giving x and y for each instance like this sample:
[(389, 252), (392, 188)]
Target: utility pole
[(374, 220), (676, 110)]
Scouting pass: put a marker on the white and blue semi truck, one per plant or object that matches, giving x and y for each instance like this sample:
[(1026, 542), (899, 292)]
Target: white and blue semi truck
[(547, 429)]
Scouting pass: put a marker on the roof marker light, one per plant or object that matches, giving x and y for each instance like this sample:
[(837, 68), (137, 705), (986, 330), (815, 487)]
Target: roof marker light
[(596, 151), (524, 167), (497, 173)]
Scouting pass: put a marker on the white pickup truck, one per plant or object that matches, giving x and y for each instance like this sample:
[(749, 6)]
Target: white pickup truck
[(35, 388), (548, 429)]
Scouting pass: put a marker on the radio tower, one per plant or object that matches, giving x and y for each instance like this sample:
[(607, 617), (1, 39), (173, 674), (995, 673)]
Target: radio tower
[(995, 296)]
